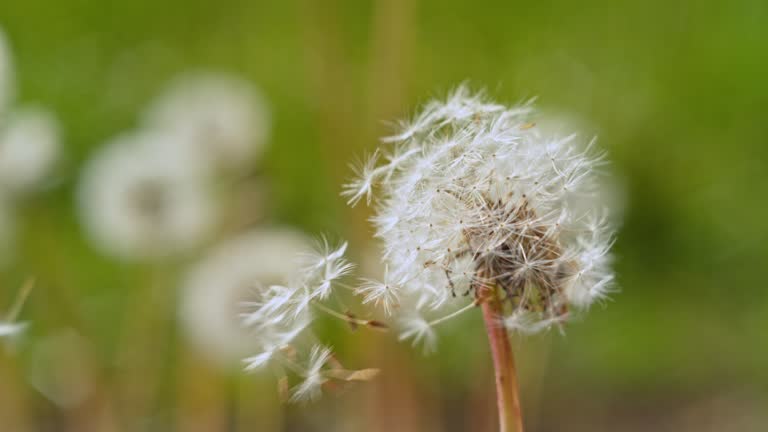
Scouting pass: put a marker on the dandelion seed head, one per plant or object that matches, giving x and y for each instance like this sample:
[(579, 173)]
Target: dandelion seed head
[(477, 195), (29, 148), (221, 118), (138, 201)]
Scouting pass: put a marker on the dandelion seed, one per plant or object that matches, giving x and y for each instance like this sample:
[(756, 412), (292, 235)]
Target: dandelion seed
[(420, 332), (366, 175), (382, 294), (310, 387), (323, 267), (259, 360)]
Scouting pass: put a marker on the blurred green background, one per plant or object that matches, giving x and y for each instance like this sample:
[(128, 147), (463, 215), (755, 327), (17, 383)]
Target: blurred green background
[(675, 91)]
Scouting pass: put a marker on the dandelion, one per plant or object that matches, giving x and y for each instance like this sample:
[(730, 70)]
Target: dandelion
[(479, 207), (138, 201), (221, 118), (29, 148), (29, 136), (233, 272)]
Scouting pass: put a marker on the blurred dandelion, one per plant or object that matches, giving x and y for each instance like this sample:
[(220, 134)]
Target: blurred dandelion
[(139, 201), (29, 148), (29, 135), (233, 272), (218, 117), (473, 198)]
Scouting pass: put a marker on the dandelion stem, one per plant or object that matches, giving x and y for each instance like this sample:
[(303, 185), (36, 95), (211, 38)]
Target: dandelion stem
[(507, 396)]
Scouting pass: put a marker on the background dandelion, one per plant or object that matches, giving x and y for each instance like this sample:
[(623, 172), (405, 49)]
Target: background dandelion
[(29, 148), (138, 200), (218, 117)]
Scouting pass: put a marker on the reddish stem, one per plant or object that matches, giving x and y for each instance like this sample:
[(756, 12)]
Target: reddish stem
[(507, 397)]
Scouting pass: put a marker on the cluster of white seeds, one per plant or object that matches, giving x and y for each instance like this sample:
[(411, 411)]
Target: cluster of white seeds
[(278, 317), (472, 194)]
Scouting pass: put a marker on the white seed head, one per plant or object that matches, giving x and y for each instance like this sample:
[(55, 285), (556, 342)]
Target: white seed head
[(473, 194), (138, 201), (234, 272), (29, 148), (221, 118)]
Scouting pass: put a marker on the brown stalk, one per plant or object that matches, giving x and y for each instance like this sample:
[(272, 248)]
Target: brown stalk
[(507, 394)]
